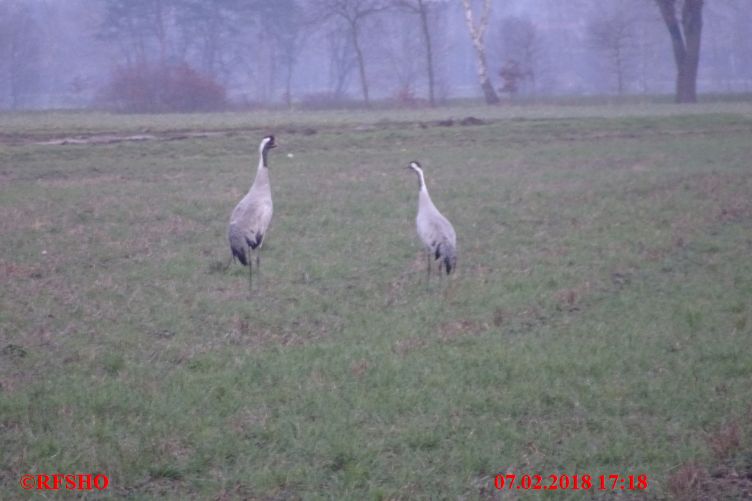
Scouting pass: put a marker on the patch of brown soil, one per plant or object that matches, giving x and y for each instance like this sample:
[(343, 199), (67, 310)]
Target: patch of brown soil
[(729, 477), (454, 329), (65, 182), (405, 346)]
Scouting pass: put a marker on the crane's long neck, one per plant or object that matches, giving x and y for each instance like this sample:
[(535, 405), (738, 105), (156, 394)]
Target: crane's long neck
[(421, 180), (424, 199), (262, 172)]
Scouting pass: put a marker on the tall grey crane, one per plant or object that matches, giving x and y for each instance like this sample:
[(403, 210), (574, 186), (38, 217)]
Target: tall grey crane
[(434, 230), (251, 217)]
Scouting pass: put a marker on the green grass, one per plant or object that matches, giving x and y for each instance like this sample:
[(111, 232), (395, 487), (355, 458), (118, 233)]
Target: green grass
[(599, 322)]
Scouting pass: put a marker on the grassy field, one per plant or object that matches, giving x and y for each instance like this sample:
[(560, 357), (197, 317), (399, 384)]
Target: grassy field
[(600, 321)]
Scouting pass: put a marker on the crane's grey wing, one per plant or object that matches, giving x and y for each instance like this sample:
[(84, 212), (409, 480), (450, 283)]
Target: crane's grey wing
[(248, 224), (434, 229), (439, 237), (251, 219), (446, 247), (238, 244)]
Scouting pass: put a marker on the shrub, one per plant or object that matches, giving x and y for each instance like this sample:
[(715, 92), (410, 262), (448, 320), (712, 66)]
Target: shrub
[(149, 89), (406, 97)]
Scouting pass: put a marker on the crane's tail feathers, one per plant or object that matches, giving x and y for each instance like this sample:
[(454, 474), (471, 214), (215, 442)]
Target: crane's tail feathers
[(450, 263), (448, 255), (256, 241), (240, 254), (450, 259), (238, 247)]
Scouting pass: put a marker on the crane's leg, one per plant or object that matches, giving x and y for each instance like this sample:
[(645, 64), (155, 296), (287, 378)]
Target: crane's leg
[(250, 270), (428, 269), (260, 241)]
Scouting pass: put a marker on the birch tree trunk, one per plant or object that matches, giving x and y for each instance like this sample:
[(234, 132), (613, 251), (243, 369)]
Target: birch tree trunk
[(477, 34)]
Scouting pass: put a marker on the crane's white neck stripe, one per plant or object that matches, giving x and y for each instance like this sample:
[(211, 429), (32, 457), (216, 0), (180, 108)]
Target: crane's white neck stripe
[(421, 179)]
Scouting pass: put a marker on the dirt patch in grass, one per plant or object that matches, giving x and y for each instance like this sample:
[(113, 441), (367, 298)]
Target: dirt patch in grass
[(245, 333), (14, 271), (728, 480), (88, 181), (449, 331), (246, 420), (101, 138), (48, 138), (405, 346), (728, 475), (123, 138), (571, 298), (601, 135)]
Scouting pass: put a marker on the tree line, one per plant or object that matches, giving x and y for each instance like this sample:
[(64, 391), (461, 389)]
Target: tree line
[(191, 53)]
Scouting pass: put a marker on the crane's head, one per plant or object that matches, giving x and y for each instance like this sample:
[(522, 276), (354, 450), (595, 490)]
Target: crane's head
[(267, 143), (414, 165)]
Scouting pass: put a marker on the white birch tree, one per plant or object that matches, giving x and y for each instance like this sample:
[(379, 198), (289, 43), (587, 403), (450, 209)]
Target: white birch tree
[(477, 35)]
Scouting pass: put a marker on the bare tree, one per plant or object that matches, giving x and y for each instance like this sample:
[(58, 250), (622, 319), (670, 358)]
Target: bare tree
[(520, 48), (400, 65), (136, 25), (613, 35), (208, 25), (354, 14), (283, 23), (477, 34), (342, 60), (423, 9), (685, 39)]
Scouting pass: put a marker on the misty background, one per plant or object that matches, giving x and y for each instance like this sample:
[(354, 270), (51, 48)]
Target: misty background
[(193, 55)]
